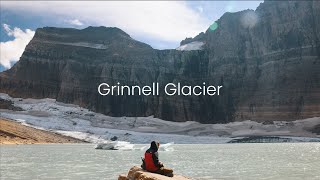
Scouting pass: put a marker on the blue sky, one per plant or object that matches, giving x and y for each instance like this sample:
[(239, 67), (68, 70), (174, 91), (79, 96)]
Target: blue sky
[(161, 24)]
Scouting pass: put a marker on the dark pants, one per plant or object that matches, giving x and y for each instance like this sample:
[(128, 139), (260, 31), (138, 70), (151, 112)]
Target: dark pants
[(165, 171)]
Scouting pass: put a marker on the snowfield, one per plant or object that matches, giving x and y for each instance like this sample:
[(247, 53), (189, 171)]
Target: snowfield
[(77, 122), (196, 45), (79, 44)]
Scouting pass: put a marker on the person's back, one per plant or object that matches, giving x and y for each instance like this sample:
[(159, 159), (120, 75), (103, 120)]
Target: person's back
[(151, 158), (151, 161)]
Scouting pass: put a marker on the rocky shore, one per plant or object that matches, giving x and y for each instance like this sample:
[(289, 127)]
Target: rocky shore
[(12, 132)]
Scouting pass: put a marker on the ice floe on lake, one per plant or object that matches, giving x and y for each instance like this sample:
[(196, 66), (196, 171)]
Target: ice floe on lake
[(127, 146), (115, 145)]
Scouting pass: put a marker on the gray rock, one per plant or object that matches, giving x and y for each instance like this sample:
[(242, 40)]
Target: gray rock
[(267, 61)]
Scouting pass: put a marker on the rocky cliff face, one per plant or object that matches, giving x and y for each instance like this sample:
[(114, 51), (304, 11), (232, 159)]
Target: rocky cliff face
[(267, 60)]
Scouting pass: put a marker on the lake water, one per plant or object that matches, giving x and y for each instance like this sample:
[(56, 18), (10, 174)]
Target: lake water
[(218, 161)]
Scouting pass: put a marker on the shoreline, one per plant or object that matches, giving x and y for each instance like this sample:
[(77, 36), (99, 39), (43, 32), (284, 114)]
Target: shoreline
[(81, 123), (13, 132)]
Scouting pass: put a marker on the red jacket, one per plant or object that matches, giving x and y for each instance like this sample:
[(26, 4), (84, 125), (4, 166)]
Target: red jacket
[(152, 163)]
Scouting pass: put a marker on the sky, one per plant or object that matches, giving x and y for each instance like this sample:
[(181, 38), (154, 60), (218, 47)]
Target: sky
[(161, 24)]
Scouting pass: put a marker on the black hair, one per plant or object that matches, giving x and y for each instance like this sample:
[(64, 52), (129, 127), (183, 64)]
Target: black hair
[(154, 146)]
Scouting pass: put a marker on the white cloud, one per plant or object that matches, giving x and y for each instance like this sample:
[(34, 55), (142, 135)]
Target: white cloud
[(75, 22), (165, 20), (200, 9), (11, 51)]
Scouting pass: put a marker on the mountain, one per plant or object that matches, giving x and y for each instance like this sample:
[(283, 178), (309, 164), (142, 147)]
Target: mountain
[(267, 61)]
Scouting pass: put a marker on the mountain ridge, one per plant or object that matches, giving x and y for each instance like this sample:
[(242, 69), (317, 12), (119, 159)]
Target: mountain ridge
[(269, 68)]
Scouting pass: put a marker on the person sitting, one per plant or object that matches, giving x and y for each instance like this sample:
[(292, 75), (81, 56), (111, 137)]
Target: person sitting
[(151, 161)]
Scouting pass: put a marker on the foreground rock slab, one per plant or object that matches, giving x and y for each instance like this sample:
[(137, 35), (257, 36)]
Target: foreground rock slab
[(136, 173)]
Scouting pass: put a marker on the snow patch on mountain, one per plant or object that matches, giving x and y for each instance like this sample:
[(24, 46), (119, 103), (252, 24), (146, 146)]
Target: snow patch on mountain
[(196, 45), (79, 44)]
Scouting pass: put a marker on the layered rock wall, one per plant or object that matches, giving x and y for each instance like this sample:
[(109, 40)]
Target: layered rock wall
[(267, 61)]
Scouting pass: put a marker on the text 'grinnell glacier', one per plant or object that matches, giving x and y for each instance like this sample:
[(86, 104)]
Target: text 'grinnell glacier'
[(170, 89)]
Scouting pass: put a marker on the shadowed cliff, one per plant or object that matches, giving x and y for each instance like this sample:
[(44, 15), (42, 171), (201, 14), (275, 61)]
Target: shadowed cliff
[(267, 61)]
